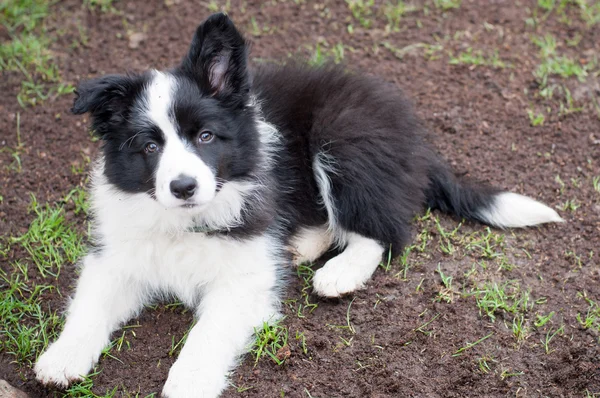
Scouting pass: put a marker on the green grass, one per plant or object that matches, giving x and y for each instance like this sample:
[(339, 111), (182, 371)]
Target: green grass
[(26, 327), (590, 320), (27, 51), (536, 119), (102, 5), (569, 205), (446, 292), (596, 183), (26, 324), (549, 337), (446, 5), (471, 345), (493, 298), (394, 13), (50, 241), (17, 150), (362, 11), (270, 341), (300, 306), (477, 58), (323, 54), (554, 64)]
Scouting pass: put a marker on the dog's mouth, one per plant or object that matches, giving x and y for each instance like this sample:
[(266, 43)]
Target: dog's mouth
[(189, 205)]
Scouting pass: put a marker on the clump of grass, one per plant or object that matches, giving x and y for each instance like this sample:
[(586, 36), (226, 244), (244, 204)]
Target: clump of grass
[(25, 327), (394, 13), (362, 11), (50, 240), (271, 340), (553, 64), (471, 345), (536, 119), (102, 5), (477, 58), (27, 50), (322, 54), (446, 5), (508, 297), (591, 319)]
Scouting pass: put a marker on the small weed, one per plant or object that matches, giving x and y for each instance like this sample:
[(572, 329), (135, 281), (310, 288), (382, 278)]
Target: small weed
[(306, 274), (177, 346), (548, 338), (84, 388), (240, 388), (321, 57), (50, 240), (17, 150), (591, 320), (446, 293), (471, 345), (270, 339), (569, 205), (508, 297), (506, 373), (446, 5), (536, 119), (422, 329), (300, 337), (519, 328), (388, 264), (484, 363), (541, 320), (596, 183), (488, 246), (394, 13), (362, 11), (469, 57), (103, 5)]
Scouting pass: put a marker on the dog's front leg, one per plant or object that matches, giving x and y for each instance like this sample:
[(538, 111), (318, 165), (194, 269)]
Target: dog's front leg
[(228, 314), (105, 297)]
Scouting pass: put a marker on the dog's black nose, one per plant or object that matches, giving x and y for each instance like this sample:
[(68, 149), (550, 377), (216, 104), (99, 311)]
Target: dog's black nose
[(183, 187)]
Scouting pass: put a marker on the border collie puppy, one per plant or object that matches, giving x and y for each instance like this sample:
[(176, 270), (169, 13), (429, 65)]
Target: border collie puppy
[(213, 179)]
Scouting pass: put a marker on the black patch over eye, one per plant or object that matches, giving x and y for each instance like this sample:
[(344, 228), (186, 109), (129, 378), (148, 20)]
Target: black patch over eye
[(151, 147), (205, 137)]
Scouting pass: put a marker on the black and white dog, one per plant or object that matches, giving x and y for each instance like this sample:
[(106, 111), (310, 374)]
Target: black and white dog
[(214, 178)]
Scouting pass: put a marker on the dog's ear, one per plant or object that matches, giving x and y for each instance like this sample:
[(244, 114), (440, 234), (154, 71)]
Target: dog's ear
[(217, 60), (98, 94)]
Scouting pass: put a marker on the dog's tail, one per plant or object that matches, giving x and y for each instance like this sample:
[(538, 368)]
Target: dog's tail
[(451, 194)]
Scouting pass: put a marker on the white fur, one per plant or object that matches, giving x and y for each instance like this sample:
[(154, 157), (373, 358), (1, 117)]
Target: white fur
[(177, 157), (349, 270), (310, 243), (230, 283), (511, 210), (322, 165), (148, 251)]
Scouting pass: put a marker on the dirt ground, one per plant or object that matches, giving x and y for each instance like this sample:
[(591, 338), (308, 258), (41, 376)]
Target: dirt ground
[(411, 332)]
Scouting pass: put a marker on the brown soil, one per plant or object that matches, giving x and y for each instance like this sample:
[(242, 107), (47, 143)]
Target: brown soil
[(478, 115)]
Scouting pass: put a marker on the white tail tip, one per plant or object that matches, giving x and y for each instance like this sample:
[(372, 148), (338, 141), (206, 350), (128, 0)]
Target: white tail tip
[(511, 210)]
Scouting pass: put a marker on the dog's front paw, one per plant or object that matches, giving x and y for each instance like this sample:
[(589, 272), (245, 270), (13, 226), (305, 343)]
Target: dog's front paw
[(62, 364), (188, 381)]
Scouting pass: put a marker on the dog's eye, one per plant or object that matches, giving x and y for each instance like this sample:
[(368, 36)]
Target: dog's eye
[(205, 137), (151, 147)]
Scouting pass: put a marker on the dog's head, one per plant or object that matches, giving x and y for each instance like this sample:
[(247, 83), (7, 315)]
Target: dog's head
[(178, 135)]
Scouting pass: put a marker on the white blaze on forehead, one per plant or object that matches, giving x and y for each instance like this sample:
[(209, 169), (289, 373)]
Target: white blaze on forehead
[(159, 102), (176, 156)]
